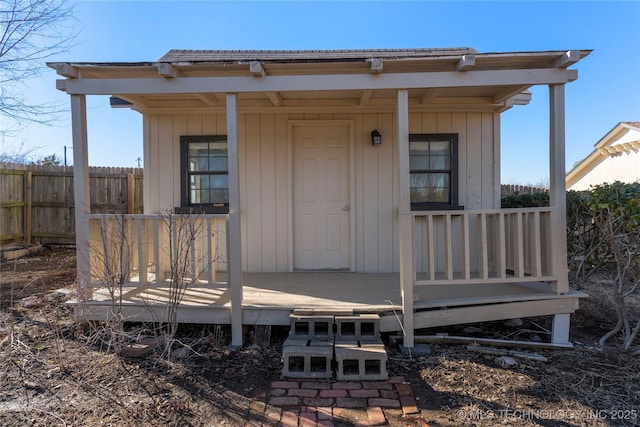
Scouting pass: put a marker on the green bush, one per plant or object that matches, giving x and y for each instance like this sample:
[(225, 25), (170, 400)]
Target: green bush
[(525, 200)]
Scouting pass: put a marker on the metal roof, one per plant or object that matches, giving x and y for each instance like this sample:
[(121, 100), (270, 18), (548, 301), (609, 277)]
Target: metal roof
[(185, 55)]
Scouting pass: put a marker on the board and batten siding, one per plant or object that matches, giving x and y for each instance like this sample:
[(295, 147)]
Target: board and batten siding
[(264, 187), (623, 166)]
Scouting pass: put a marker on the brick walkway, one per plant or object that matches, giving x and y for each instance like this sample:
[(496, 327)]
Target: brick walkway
[(324, 403)]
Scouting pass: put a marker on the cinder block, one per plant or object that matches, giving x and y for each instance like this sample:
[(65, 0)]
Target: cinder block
[(362, 327), (312, 327), (360, 361), (311, 360)]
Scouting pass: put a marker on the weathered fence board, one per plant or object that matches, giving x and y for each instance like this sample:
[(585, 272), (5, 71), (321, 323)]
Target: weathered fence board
[(36, 202), (515, 190)]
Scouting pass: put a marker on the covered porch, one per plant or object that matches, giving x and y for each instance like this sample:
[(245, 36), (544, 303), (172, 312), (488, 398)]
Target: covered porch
[(468, 261), (467, 266), (269, 299)]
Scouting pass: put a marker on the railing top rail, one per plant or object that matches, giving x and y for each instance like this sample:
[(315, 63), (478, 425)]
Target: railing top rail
[(156, 216), (480, 211)]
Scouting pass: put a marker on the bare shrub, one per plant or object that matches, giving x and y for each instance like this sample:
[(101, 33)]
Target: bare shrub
[(615, 210), (111, 253), (186, 266)]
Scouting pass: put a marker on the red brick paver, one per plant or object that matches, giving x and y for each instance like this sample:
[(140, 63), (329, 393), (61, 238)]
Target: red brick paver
[(307, 419), (289, 419), (303, 392), (376, 416), (285, 384), (352, 402), (305, 403), (334, 393), (364, 393)]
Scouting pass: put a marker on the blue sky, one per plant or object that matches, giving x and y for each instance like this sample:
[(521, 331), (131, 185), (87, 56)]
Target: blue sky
[(607, 90)]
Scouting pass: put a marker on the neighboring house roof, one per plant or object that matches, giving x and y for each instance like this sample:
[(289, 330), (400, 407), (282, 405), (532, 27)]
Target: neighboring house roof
[(623, 138)]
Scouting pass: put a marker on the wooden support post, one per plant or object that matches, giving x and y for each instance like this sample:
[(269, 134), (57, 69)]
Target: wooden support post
[(81, 193), (407, 261), (557, 194), (131, 190), (28, 198), (234, 241), (560, 329), (150, 170)]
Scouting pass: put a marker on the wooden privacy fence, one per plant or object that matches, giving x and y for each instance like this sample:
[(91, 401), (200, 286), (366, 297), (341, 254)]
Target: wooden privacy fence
[(515, 190), (36, 202)]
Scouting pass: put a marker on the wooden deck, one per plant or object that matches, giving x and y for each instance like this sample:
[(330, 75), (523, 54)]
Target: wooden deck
[(269, 298)]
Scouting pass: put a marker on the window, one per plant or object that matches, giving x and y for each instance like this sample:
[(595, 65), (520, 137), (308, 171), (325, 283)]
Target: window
[(205, 173), (433, 164)]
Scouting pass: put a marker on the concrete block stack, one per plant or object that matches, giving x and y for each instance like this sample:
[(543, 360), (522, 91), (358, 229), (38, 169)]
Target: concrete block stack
[(321, 344)]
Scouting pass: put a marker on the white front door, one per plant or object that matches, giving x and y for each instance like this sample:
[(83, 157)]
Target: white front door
[(321, 211)]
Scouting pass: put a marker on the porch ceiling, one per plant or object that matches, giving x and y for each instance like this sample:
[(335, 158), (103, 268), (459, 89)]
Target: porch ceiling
[(436, 78)]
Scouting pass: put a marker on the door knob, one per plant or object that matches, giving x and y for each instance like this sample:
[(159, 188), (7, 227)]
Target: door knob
[(345, 208)]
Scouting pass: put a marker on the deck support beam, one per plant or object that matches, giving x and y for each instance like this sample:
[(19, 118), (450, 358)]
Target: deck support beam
[(82, 207), (557, 194), (234, 241), (405, 219), (292, 83)]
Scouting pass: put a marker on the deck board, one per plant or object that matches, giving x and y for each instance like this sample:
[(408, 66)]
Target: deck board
[(271, 297)]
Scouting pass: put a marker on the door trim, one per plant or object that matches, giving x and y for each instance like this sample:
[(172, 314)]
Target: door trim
[(351, 162)]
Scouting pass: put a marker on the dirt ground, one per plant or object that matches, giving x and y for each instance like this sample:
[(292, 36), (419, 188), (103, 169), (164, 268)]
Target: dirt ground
[(52, 372)]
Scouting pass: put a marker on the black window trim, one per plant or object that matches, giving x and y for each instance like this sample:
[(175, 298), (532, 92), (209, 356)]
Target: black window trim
[(185, 207), (453, 171)]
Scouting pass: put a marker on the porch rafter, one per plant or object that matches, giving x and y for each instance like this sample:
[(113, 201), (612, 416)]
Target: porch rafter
[(257, 70), (243, 84)]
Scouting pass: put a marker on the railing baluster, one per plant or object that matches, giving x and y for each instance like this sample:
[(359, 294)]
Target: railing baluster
[(466, 248), (536, 250), (105, 247), (431, 265), (518, 246), (448, 247), (482, 239), (124, 231), (501, 260), (156, 251), (210, 256), (193, 244), (142, 252)]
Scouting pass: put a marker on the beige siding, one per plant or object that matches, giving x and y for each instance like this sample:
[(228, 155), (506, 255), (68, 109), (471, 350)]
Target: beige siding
[(623, 167), (264, 162)]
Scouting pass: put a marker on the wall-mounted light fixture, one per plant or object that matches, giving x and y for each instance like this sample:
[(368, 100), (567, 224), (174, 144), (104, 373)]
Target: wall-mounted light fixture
[(376, 138)]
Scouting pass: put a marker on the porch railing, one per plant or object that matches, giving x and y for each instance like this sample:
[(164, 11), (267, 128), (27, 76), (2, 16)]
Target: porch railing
[(482, 246), (143, 250)]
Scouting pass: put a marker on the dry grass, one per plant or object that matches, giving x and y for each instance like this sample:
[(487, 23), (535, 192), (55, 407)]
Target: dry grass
[(51, 375)]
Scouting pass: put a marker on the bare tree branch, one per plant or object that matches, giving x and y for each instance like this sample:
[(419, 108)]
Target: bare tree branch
[(30, 32)]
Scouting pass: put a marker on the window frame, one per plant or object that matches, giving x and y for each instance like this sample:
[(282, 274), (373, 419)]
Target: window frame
[(452, 204), (185, 203)]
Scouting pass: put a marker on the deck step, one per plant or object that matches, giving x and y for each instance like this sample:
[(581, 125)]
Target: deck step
[(320, 343)]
